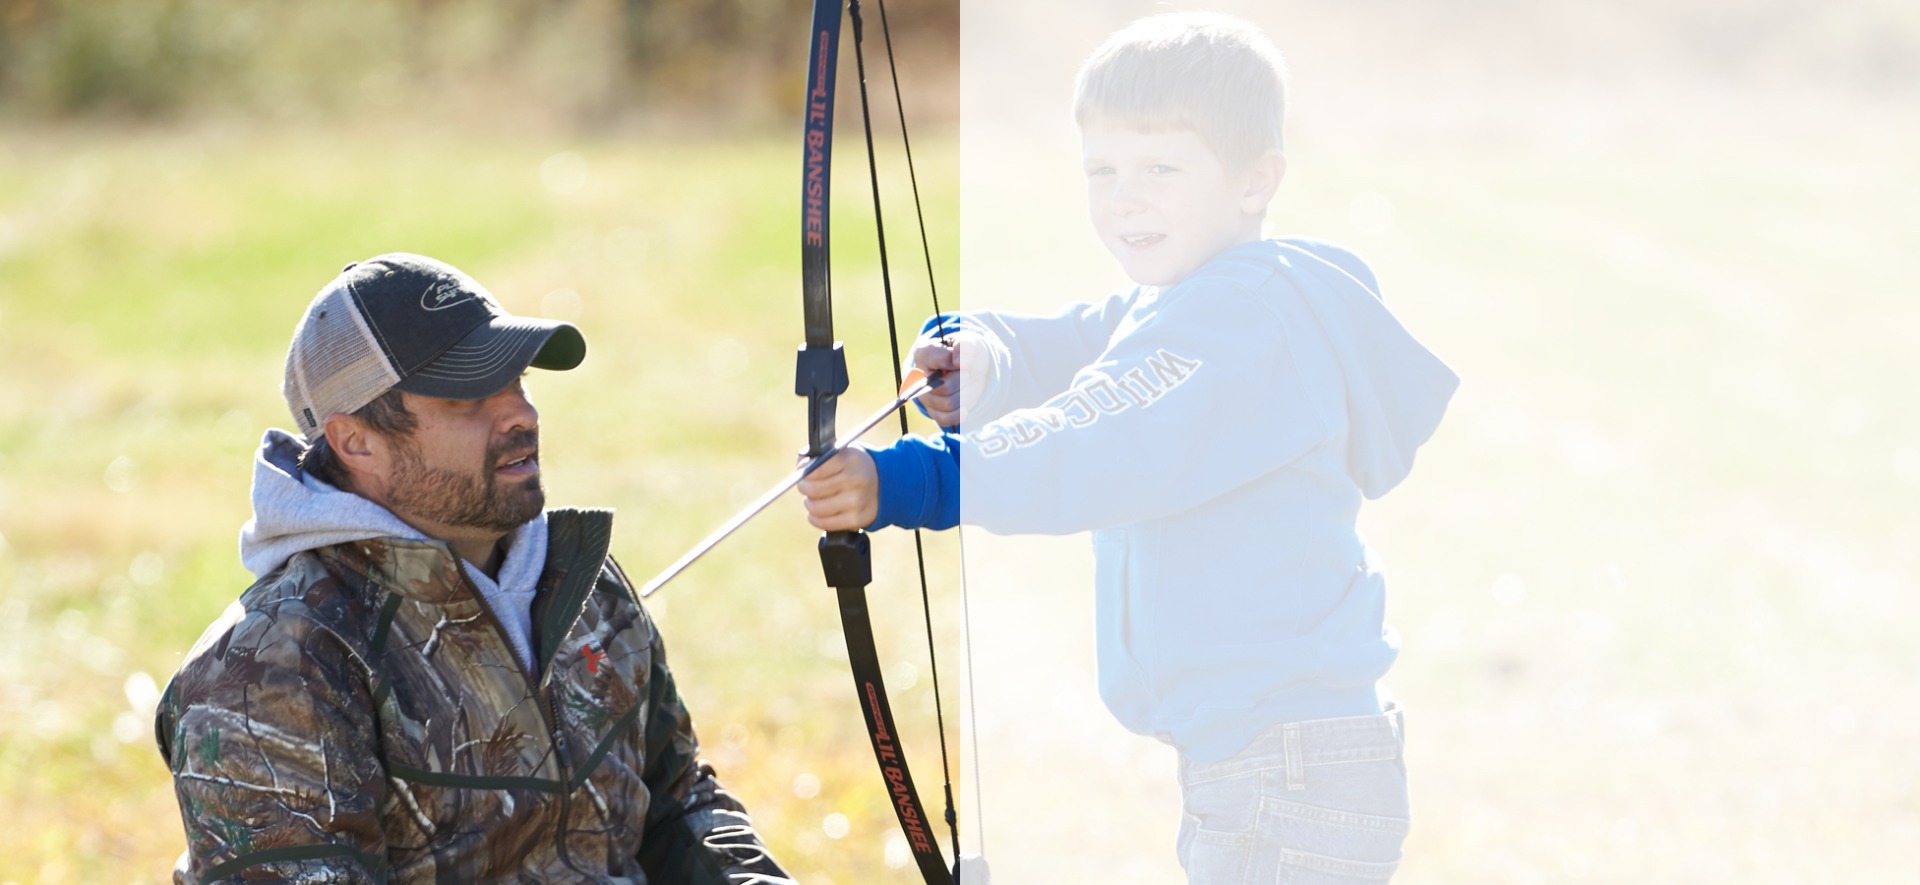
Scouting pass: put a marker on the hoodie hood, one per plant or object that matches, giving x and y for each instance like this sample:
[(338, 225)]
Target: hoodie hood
[(294, 512), (1397, 389)]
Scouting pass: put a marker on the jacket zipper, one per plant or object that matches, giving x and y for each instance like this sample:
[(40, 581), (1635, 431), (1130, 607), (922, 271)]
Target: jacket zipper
[(549, 710)]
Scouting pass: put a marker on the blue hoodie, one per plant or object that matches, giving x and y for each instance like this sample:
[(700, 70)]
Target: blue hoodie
[(1216, 437)]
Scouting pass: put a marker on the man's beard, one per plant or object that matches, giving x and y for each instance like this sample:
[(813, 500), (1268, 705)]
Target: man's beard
[(466, 499)]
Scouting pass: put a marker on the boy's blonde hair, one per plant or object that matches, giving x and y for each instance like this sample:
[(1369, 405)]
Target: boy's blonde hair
[(1214, 74)]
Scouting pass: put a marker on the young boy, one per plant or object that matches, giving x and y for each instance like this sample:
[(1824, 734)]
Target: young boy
[(1215, 428)]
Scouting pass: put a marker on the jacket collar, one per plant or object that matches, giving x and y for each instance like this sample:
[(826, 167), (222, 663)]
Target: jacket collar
[(577, 543), (428, 572), (418, 571)]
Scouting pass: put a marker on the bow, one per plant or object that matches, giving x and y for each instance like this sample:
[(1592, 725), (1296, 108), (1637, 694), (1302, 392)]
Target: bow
[(820, 375)]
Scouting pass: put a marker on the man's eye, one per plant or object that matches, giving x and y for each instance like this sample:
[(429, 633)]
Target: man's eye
[(1161, 169), (1098, 171)]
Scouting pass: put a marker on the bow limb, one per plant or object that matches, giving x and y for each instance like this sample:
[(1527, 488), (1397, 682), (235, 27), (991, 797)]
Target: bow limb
[(917, 385), (820, 375)]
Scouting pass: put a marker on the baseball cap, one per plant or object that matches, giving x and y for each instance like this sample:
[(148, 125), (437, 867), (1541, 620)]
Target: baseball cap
[(412, 323)]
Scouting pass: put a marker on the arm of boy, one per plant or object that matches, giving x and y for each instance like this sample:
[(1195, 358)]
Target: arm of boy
[(1095, 454), (843, 494), (1192, 402), (1014, 361), (912, 484)]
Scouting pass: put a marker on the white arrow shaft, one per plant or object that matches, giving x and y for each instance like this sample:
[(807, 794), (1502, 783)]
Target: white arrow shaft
[(911, 393)]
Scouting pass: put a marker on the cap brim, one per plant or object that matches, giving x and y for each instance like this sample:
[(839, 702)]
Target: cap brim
[(494, 354)]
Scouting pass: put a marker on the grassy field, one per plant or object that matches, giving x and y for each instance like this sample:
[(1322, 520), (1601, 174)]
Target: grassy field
[(1655, 576)]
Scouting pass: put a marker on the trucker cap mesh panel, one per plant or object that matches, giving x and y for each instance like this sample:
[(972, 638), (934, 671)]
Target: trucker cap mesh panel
[(335, 365)]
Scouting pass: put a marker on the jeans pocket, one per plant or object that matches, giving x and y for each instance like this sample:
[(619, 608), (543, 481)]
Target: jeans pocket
[(1211, 857), (1347, 828), (1303, 868), (1217, 829)]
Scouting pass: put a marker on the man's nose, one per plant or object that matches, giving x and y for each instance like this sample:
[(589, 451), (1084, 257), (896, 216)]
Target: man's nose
[(514, 410)]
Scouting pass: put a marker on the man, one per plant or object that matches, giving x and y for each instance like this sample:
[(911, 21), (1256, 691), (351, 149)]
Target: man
[(433, 680)]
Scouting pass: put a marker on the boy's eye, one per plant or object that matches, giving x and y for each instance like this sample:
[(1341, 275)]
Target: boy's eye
[(1161, 169), (1099, 170)]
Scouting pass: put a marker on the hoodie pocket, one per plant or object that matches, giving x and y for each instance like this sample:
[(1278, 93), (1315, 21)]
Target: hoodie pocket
[(1123, 682)]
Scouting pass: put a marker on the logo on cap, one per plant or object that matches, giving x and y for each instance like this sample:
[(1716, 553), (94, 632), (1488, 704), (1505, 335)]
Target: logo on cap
[(441, 295)]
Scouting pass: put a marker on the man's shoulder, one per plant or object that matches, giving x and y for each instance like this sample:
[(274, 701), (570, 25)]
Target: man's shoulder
[(301, 596), (269, 629), (296, 578)]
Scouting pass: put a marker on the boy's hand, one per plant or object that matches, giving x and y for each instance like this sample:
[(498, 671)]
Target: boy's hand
[(843, 495), (960, 357)]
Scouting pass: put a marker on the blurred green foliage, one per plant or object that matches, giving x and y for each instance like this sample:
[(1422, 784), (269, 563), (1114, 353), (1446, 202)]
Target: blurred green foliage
[(576, 62)]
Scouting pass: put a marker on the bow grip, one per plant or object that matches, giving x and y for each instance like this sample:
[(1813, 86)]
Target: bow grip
[(820, 375), (847, 559), (820, 371)]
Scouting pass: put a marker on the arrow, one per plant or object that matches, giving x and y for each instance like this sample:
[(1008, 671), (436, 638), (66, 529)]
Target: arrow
[(918, 383)]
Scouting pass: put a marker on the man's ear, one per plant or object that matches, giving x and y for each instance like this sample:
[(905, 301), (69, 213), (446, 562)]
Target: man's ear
[(1262, 181), (359, 449)]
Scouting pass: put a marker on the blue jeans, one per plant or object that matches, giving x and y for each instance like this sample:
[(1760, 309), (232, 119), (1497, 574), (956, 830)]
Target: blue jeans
[(1322, 801)]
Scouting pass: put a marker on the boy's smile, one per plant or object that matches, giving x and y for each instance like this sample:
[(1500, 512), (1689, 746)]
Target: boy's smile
[(1163, 204)]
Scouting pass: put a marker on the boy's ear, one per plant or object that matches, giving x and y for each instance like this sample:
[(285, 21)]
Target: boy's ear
[(1262, 181)]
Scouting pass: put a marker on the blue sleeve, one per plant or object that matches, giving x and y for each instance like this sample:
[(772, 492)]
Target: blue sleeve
[(919, 483), (1034, 357), (1199, 399)]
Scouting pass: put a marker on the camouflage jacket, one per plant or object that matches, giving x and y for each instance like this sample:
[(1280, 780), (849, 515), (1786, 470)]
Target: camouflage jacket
[(359, 716)]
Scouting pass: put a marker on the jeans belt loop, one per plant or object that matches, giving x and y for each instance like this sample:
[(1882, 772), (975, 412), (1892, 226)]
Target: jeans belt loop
[(1296, 759)]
